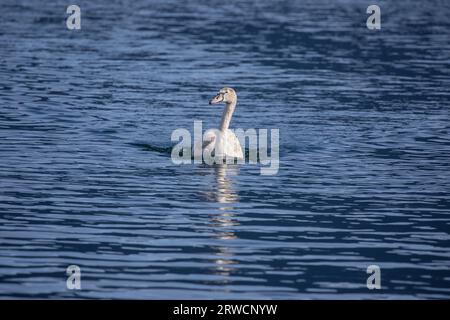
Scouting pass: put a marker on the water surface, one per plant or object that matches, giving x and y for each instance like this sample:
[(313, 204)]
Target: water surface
[(86, 179)]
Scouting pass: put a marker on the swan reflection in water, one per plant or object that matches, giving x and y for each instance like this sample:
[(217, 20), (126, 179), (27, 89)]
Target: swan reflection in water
[(223, 222)]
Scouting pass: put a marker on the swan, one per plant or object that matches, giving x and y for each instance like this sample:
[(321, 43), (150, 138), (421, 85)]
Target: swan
[(222, 143)]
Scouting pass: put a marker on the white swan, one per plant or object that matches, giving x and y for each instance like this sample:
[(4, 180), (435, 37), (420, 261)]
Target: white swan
[(223, 143)]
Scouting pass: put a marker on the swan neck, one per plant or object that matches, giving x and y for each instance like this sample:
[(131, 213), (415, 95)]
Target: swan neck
[(226, 117)]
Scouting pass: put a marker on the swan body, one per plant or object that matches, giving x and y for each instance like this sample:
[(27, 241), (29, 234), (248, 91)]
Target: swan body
[(223, 142)]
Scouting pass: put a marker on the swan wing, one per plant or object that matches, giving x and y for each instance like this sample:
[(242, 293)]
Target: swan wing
[(232, 146), (229, 146)]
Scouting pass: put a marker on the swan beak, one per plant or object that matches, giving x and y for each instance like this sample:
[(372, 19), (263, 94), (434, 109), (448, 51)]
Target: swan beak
[(216, 99)]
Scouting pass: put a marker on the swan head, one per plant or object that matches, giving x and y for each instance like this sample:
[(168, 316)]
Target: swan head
[(227, 95)]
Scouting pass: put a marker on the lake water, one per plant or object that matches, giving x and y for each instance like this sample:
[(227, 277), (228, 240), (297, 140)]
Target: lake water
[(86, 176)]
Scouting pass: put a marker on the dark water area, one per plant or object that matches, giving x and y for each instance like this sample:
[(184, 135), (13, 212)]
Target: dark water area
[(86, 176)]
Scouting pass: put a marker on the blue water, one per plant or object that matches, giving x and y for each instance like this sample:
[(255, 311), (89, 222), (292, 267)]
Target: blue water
[(86, 178)]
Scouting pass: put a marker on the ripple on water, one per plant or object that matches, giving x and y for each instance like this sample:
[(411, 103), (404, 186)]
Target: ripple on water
[(86, 177)]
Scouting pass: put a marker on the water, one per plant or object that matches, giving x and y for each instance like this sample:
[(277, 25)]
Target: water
[(86, 177)]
